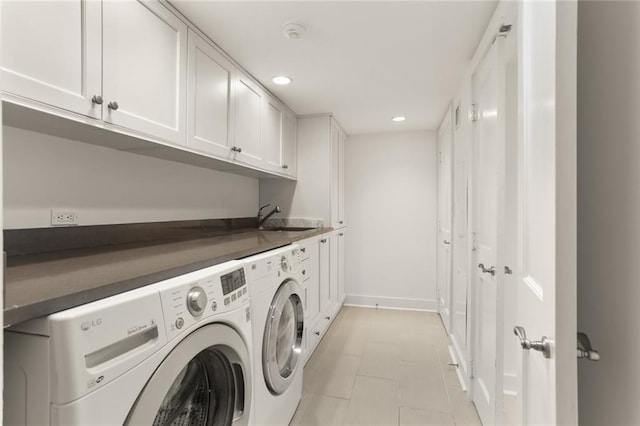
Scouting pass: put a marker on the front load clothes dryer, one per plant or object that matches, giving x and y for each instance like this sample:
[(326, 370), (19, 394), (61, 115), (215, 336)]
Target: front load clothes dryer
[(175, 353), (278, 321)]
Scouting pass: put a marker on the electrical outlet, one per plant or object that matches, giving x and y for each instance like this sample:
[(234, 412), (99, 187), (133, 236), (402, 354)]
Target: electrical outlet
[(64, 218)]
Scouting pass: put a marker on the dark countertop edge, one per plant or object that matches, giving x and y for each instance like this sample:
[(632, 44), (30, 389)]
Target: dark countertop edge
[(16, 314)]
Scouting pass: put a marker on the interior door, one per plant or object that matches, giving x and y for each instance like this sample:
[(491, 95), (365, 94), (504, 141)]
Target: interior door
[(444, 220), (488, 92), (546, 288)]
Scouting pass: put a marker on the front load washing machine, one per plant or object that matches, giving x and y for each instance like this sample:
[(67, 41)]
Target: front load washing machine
[(173, 353), (278, 322)]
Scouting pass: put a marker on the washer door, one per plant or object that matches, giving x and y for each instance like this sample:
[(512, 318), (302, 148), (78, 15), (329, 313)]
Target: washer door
[(205, 380), (282, 342)]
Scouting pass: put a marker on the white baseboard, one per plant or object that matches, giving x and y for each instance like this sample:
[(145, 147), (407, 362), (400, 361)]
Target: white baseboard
[(392, 302)]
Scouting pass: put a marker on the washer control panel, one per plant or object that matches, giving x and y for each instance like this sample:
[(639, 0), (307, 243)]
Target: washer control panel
[(202, 294)]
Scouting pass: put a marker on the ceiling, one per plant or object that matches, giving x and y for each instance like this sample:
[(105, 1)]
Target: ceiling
[(365, 62)]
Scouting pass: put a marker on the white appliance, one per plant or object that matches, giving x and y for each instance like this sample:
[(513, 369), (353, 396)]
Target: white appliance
[(173, 353), (278, 322)]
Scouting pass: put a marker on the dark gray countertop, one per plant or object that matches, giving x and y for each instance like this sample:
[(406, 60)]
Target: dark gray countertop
[(41, 284)]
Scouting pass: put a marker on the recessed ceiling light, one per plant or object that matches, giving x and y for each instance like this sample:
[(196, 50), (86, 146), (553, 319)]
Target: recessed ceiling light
[(399, 118), (281, 80)]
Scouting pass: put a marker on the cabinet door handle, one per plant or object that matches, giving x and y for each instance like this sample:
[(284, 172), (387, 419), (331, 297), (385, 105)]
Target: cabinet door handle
[(447, 242), (285, 166), (324, 240), (97, 99), (113, 105), (341, 222), (341, 234), (327, 318), (304, 272), (303, 249), (317, 333), (236, 149), (491, 271)]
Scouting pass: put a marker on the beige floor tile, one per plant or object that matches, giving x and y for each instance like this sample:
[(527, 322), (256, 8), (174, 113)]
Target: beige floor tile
[(413, 417), (465, 414), (380, 360), (335, 376), (320, 410), (374, 390), (424, 393), (371, 413)]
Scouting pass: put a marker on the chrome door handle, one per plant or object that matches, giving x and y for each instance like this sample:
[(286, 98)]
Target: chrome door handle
[(585, 351), (97, 99), (113, 105), (446, 242), (491, 270), (285, 166), (544, 345)]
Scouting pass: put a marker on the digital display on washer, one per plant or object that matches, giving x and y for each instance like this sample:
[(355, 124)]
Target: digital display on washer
[(233, 281)]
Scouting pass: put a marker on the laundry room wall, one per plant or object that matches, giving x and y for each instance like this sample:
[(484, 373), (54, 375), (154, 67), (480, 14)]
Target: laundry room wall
[(107, 186), (608, 209), (391, 209)]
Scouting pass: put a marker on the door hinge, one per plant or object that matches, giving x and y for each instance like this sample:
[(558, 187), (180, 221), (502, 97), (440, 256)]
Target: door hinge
[(475, 112)]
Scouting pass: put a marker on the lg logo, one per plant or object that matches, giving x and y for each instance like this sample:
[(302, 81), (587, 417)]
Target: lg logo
[(86, 325)]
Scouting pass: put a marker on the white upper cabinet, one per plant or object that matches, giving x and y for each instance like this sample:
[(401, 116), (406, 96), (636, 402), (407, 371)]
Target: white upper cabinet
[(279, 138), (210, 98), (341, 219), (51, 53), (248, 129), (289, 144), (145, 68), (272, 133)]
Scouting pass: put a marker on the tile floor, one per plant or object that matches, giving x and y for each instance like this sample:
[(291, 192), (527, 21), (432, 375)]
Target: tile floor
[(383, 367)]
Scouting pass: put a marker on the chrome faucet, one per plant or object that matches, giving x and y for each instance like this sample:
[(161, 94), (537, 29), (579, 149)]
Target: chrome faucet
[(262, 218)]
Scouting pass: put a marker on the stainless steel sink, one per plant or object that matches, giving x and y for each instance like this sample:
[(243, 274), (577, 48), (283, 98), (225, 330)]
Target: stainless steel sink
[(286, 229)]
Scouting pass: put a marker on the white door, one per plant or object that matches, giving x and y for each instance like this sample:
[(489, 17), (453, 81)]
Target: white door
[(546, 272), (210, 98), (144, 68), (249, 108), (325, 275), (488, 93), (52, 53), (272, 135), (444, 220), (342, 138), (335, 175), (289, 143)]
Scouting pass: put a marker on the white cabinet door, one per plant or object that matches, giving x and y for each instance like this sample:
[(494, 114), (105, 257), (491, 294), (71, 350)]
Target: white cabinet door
[(249, 109), (325, 275), (144, 69), (341, 141), (341, 265), (289, 143), (445, 219), (334, 269), (272, 135), (312, 270), (210, 95), (52, 51), (335, 175)]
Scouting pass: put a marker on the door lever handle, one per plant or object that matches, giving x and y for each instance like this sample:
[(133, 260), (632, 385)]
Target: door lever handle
[(543, 345), (585, 351), (491, 270)]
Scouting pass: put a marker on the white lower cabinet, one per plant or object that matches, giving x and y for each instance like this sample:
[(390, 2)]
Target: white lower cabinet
[(323, 285)]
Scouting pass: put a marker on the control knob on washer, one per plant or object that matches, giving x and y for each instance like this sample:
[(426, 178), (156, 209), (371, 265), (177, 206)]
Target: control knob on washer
[(284, 264), (196, 301)]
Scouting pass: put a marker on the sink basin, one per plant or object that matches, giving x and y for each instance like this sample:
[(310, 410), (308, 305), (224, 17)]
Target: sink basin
[(285, 229)]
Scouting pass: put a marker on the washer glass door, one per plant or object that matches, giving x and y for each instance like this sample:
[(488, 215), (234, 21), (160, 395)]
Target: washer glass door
[(282, 342), (204, 381)]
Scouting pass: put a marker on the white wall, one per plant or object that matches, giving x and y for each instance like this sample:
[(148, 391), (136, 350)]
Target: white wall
[(108, 186), (609, 209), (391, 209)]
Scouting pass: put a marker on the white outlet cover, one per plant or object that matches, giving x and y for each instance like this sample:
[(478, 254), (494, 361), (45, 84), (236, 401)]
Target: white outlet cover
[(64, 217)]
